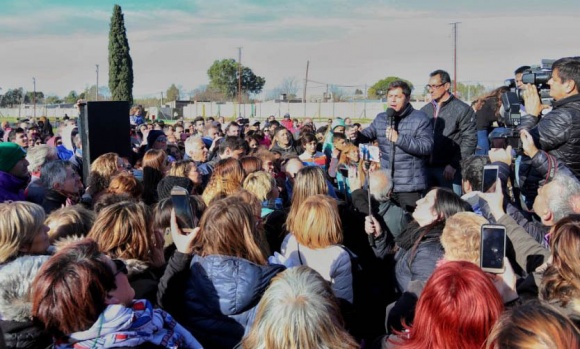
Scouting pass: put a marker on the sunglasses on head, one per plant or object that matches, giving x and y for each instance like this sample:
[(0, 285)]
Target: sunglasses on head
[(120, 266)]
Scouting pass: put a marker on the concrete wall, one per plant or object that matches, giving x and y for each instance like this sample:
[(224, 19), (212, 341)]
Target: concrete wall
[(354, 110)]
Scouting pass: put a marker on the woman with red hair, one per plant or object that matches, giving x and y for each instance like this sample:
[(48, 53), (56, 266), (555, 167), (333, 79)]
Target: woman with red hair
[(457, 310)]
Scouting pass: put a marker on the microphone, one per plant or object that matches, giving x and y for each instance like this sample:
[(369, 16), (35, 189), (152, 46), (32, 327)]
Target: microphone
[(391, 117)]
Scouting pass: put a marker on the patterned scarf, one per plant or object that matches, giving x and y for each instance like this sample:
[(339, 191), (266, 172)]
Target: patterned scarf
[(119, 326)]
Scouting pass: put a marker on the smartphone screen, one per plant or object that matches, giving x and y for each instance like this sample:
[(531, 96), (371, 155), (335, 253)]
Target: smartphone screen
[(183, 210), (489, 178), (493, 241)]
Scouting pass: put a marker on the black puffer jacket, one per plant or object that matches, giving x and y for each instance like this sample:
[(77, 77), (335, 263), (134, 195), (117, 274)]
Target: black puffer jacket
[(454, 132), (412, 149), (558, 132)]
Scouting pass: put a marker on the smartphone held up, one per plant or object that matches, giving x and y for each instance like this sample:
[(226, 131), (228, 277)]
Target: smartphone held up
[(493, 246), (180, 198)]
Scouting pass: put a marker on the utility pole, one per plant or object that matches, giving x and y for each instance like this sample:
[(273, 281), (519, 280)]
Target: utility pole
[(239, 80), (34, 96), (454, 24), (305, 84), (97, 91), (161, 99)]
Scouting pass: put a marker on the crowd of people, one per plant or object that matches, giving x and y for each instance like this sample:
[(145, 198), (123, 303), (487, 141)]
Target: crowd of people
[(300, 238)]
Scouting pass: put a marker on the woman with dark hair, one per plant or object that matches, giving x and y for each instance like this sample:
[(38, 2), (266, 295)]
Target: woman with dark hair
[(227, 270), (488, 112), (420, 245), (457, 309), (84, 299), (154, 167)]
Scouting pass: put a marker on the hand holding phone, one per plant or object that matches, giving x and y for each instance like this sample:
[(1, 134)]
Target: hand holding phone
[(182, 242), (183, 209), (493, 243), (490, 173)]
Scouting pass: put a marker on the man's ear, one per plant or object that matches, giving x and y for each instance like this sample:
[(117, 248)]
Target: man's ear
[(571, 86), (547, 217)]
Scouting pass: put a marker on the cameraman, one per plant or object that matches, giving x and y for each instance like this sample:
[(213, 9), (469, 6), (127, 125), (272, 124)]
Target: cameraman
[(558, 132)]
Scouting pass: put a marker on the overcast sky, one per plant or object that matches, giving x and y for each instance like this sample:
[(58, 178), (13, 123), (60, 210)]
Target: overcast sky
[(348, 43)]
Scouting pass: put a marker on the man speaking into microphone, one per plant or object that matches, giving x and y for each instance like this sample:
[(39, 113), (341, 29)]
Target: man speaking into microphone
[(405, 137)]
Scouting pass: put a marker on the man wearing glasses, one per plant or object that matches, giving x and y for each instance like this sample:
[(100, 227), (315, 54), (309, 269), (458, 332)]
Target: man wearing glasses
[(454, 133)]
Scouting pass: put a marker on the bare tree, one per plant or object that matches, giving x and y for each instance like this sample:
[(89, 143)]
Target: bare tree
[(289, 86)]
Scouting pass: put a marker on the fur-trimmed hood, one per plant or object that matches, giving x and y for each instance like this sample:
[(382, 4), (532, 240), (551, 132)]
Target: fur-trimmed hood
[(15, 281)]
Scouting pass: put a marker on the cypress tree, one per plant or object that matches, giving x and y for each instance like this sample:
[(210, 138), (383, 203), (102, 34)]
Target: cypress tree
[(120, 63)]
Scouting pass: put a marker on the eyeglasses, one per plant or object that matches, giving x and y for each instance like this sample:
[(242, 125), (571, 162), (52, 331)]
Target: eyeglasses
[(120, 266), (161, 140), (428, 87)]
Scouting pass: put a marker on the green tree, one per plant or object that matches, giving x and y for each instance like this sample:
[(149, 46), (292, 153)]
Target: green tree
[(223, 76), (52, 100), (13, 97), (72, 97), (379, 89), (30, 97), (172, 93), (120, 63)]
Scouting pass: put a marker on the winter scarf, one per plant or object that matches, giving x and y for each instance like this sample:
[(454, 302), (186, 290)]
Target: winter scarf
[(119, 326)]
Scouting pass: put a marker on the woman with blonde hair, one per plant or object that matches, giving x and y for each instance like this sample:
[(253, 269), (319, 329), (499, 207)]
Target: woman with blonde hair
[(22, 230), (70, 221), (310, 180), (227, 178), (154, 167), (24, 244), (125, 231), (315, 235), (298, 301), (103, 169), (533, 325), (227, 273)]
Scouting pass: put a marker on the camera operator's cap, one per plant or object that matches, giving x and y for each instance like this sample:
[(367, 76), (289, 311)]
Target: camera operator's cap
[(10, 154), (286, 116)]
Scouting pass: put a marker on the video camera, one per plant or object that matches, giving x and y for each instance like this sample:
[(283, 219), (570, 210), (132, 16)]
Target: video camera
[(512, 101), (537, 75)]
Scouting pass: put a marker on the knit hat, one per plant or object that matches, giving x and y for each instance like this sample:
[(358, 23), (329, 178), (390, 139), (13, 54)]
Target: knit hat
[(166, 184), (10, 154), (152, 137)]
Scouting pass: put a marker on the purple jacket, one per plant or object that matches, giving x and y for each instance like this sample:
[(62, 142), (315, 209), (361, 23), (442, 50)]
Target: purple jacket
[(12, 187)]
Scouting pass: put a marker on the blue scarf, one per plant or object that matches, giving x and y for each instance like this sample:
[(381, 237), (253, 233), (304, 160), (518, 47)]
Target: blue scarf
[(119, 326)]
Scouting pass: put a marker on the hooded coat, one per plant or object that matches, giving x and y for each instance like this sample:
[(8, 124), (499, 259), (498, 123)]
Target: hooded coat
[(16, 305)]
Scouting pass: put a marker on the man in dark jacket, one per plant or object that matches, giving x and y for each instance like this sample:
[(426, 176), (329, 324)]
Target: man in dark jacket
[(405, 141), (558, 132), (454, 132)]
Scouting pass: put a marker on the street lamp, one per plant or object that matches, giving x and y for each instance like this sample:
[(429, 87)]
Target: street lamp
[(34, 97), (97, 90)]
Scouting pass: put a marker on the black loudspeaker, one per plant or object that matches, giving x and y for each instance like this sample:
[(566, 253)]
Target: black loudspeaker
[(104, 128)]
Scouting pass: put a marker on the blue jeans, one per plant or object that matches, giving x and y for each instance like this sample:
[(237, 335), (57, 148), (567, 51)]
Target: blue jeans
[(482, 143)]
